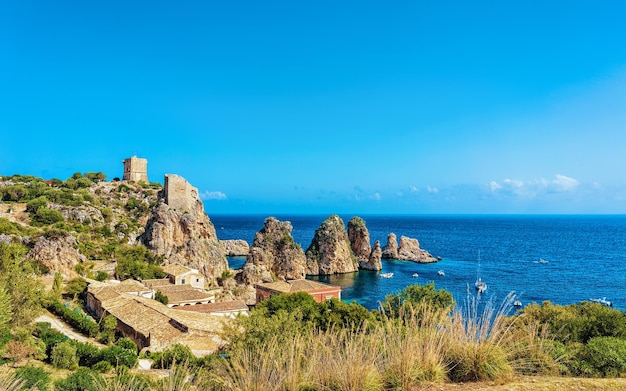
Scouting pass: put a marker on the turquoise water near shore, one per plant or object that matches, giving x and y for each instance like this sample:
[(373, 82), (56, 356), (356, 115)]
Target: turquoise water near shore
[(586, 255)]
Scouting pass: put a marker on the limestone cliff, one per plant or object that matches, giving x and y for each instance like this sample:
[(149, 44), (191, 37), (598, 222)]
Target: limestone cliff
[(56, 253), (182, 232), (390, 251), (235, 248), (409, 250), (359, 238), (274, 253), (374, 260), (329, 252)]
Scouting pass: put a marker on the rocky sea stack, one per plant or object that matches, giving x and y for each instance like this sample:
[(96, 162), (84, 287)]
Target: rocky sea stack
[(182, 233), (330, 251), (274, 254), (359, 238), (408, 250)]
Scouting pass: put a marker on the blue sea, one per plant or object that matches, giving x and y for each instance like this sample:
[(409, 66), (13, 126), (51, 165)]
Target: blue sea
[(585, 254)]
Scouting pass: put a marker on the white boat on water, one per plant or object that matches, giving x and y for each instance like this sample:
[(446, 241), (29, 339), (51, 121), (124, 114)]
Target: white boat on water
[(543, 261), (441, 273), (479, 285), (415, 275), (386, 275), (602, 301), (517, 304)]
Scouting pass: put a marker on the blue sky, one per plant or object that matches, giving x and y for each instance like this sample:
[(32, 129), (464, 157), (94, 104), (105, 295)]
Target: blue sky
[(361, 107)]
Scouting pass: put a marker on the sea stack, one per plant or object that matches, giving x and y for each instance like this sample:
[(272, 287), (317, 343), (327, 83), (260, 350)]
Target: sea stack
[(408, 250), (330, 252), (274, 253), (359, 237)]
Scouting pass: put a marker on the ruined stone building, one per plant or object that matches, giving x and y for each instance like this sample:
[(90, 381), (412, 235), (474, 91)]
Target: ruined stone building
[(179, 194), (135, 169)]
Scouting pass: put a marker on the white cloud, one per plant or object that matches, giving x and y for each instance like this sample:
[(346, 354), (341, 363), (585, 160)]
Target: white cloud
[(377, 196), (213, 195), (432, 189), (494, 186), (565, 183), (413, 189), (535, 187)]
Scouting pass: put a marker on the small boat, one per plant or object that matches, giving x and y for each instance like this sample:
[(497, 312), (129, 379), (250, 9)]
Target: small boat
[(602, 301), (386, 275), (479, 285), (415, 275), (542, 261), (517, 304), (441, 273)]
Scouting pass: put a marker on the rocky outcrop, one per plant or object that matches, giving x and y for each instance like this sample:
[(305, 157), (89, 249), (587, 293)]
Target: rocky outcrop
[(56, 253), (390, 251), (374, 260), (330, 252), (185, 235), (274, 253), (359, 238), (235, 247), (409, 250)]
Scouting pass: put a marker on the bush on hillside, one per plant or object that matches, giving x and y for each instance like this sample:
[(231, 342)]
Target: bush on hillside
[(35, 378)]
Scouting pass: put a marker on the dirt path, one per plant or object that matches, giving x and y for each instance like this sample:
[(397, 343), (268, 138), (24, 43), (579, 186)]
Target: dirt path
[(66, 329)]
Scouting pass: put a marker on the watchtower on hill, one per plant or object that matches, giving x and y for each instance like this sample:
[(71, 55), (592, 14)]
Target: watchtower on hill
[(135, 169), (179, 194)]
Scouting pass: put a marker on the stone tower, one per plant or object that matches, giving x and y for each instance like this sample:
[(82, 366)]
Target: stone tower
[(135, 169), (179, 194)]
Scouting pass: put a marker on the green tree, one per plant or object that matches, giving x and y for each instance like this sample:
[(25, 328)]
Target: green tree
[(46, 216), (161, 298), (64, 356), (33, 206), (76, 286), (108, 326), (6, 307), (415, 295), (18, 278), (57, 286)]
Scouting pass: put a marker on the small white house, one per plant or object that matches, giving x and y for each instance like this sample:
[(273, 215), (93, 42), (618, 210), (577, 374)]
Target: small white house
[(182, 275)]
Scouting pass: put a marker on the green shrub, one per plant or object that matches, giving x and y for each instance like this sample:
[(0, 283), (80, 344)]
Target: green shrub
[(76, 319), (64, 356), (48, 335), (46, 216), (102, 367), (127, 344), (34, 377), (175, 354), (418, 296), (606, 356), (83, 379), (33, 206), (119, 356), (161, 298), (88, 354)]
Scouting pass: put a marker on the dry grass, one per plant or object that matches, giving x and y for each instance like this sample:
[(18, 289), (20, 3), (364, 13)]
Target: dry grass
[(421, 346), (533, 383)]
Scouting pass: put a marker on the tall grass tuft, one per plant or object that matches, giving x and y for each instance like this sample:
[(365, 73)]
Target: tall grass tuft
[(269, 365), (482, 342), (411, 347), (345, 360), (9, 381)]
